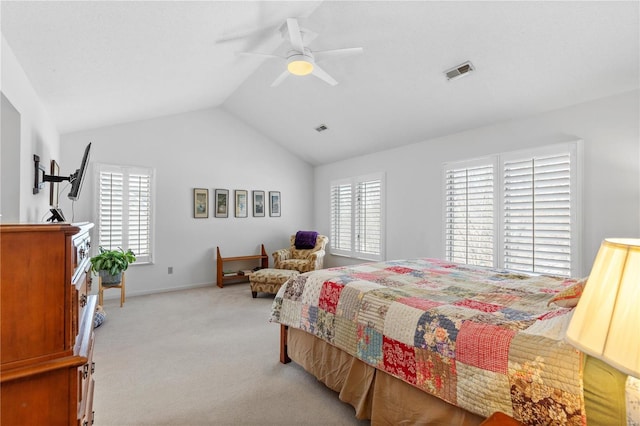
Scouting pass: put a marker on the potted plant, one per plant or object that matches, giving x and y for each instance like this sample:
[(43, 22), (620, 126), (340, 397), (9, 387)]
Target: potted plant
[(110, 264)]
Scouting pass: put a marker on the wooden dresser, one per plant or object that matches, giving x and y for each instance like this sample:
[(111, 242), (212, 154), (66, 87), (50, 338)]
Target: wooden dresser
[(46, 325)]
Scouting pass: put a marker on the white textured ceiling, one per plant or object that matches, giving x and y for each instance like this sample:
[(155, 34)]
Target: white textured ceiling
[(95, 63), (100, 63)]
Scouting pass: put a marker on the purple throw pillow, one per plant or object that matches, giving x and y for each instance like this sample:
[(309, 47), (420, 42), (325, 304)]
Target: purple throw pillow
[(306, 239)]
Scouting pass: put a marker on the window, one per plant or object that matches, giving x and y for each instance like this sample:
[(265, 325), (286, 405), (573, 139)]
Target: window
[(470, 213), (357, 217), (125, 213), (515, 210), (538, 213)]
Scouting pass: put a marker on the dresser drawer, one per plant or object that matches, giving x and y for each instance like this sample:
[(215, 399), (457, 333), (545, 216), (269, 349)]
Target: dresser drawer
[(87, 416), (84, 348), (85, 379)]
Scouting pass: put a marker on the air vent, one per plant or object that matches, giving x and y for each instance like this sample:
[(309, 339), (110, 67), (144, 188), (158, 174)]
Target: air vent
[(459, 71), (321, 128)]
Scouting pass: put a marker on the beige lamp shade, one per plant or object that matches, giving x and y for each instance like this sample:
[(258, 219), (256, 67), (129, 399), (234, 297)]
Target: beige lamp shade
[(606, 322)]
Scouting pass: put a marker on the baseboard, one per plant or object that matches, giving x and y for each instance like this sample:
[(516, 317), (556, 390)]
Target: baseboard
[(108, 295)]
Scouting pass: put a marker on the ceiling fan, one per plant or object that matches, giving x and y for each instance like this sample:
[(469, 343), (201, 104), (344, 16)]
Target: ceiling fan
[(300, 59)]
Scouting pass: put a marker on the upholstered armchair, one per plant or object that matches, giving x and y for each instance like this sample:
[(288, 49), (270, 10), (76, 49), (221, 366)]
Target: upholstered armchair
[(301, 259)]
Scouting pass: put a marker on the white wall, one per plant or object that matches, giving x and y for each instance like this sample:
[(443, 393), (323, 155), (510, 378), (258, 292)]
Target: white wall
[(203, 149), (212, 149), (9, 161), (609, 128), (38, 135)]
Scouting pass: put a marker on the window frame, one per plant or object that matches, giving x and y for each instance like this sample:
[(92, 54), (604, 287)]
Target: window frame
[(127, 171), (353, 251), (573, 149)]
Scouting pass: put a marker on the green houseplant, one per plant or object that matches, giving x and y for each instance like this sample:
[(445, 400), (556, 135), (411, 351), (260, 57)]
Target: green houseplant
[(110, 264)]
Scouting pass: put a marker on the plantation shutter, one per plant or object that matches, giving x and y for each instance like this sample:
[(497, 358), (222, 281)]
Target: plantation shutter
[(369, 217), (537, 214), (469, 215), (341, 217), (139, 222), (111, 209), (357, 217), (125, 210)]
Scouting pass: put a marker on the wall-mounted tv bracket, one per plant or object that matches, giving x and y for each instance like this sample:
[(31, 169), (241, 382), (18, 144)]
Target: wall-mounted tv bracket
[(38, 183)]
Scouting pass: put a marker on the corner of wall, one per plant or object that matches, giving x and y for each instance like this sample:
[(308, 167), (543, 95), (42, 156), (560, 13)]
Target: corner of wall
[(38, 135)]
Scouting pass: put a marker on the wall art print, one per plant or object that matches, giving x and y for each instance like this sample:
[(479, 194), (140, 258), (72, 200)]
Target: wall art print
[(200, 203), (274, 203)]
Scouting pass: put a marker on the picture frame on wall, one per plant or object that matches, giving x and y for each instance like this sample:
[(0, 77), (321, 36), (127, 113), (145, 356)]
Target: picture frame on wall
[(53, 186), (221, 203), (258, 203), (200, 203), (274, 203), (242, 207)]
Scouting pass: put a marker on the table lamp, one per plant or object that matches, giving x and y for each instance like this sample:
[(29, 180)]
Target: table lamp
[(606, 322)]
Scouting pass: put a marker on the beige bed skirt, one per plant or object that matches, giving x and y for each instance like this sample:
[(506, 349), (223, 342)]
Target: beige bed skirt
[(386, 400), (374, 394)]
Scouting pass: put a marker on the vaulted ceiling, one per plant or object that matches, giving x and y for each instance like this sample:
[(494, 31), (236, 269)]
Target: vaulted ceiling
[(100, 63)]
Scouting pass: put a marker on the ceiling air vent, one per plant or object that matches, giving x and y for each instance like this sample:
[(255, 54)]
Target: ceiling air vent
[(459, 71), (321, 128)]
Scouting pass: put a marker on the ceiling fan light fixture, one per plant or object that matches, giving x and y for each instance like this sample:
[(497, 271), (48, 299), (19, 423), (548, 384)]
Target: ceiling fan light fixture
[(299, 65)]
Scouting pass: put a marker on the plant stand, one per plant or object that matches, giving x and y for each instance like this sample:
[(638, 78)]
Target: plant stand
[(103, 287)]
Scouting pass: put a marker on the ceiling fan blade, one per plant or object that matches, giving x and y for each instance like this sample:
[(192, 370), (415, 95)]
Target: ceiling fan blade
[(307, 36), (323, 75), (294, 34), (336, 53), (280, 78), (264, 55)]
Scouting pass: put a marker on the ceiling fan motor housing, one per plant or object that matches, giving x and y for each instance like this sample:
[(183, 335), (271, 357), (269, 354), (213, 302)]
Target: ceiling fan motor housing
[(300, 63)]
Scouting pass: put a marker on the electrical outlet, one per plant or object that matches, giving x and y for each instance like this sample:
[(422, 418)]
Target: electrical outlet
[(170, 270)]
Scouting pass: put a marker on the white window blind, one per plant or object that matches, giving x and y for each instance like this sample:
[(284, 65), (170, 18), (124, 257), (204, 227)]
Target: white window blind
[(139, 223), (357, 217), (537, 214), (516, 210), (125, 213), (469, 214), (369, 217), (341, 217), (111, 209)]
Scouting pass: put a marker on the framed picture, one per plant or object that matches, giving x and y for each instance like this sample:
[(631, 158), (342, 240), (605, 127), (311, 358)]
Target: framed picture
[(258, 203), (241, 203), (274, 203), (222, 203), (200, 202), (53, 186)]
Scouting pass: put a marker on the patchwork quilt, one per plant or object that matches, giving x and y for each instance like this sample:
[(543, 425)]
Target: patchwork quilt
[(483, 339)]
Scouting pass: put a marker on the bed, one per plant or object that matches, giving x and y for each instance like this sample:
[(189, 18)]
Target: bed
[(424, 341)]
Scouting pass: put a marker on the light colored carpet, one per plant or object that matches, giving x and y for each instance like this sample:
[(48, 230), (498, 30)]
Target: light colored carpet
[(205, 356)]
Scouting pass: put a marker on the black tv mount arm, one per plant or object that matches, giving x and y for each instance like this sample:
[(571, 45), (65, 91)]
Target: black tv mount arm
[(38, 183)]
